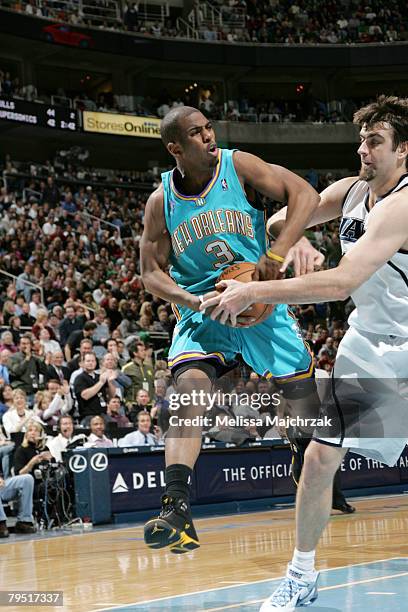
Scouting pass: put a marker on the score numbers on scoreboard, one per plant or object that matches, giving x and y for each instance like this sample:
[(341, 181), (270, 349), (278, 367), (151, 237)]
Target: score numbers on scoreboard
[(41, 115)]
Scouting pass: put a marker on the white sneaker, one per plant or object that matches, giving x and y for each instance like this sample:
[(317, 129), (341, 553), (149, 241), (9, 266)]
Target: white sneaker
[(296, 590)]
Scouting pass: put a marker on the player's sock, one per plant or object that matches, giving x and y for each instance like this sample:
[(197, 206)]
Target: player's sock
[(304, 561), (178, 480)]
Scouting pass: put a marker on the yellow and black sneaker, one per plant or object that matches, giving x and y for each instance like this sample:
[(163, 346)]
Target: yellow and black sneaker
[(173, 527)]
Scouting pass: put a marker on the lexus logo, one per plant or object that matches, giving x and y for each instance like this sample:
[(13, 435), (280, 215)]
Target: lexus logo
[(77, 463), (99, 462)]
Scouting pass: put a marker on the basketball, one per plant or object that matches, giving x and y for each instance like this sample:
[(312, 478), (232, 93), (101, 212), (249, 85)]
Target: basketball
[(243, 273)]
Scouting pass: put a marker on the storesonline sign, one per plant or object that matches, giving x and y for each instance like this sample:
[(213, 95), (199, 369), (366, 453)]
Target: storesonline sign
[(121, 125)]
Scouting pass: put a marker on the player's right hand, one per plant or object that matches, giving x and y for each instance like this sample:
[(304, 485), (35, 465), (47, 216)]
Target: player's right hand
[(267, 269), (195, 303)]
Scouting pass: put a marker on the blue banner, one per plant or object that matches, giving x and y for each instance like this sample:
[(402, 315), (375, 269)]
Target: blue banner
[(233, 475), (113, 481), (360, 472), (136, 479), (402, 464)]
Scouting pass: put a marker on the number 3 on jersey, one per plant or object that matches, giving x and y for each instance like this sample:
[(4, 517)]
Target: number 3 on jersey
[(222, 251)]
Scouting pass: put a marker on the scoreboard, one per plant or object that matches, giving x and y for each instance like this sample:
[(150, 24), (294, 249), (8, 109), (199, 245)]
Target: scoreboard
[(41, 115)]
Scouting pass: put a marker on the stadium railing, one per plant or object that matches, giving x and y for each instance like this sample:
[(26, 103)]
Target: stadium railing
[(26, 282)]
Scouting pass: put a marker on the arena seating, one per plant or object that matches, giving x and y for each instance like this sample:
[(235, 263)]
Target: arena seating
[(305, 108), (237, 21)]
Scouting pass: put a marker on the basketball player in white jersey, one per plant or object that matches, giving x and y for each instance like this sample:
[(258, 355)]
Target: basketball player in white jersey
[(374, 271)]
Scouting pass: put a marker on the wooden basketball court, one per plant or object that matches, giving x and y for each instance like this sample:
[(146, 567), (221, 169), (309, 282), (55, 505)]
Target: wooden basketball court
[(233, 570)]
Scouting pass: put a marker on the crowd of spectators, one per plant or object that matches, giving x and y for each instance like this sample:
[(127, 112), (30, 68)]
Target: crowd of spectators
[(243, 21), (303, 109), (74, 302), (311, 22), (50, 178), (105, 14)]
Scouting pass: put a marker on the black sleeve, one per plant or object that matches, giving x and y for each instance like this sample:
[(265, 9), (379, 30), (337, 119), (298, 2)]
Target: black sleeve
[(79, 385), (72, 366), (22, 456), (42, 367), (51, 374)]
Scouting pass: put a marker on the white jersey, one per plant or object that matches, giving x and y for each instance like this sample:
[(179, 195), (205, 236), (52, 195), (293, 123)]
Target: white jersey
[(382, 301)]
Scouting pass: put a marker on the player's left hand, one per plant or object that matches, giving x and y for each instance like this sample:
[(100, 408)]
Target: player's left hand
[(303, 257), (267, 269), (226, 306)]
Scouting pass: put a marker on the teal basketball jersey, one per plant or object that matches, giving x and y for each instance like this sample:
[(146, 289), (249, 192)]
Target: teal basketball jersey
[(212, 230)]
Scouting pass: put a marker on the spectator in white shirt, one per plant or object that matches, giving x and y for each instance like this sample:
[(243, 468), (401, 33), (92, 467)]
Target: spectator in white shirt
[(55, 402), (59, 443), (49, 345), (16, 418), (142, 436), (35, 304), (49, 228)]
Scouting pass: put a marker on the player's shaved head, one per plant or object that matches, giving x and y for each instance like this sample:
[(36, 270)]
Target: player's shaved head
[(170, 127)]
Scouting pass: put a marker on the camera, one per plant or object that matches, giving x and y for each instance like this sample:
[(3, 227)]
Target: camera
[(53, 495), (47, 469)]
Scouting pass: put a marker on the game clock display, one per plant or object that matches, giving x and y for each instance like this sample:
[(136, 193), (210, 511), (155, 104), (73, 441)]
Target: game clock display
[(34, 113)]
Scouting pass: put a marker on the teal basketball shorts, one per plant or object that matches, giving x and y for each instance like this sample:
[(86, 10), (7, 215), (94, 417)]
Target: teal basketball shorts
[(273, 348)]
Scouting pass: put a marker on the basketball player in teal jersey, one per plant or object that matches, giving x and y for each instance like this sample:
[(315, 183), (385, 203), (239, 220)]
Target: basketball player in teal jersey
[(200, 220)]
